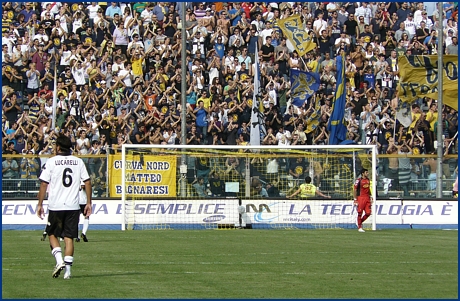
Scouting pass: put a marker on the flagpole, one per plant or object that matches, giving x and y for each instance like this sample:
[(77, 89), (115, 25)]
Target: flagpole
[(304, 63), (53, 121), (183, 88), (440, 143), (453, 139)]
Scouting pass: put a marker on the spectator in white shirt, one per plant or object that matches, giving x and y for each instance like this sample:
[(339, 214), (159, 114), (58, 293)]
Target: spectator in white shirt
[(425, 19), (418, 13), (319, 25), (126, 75), (364, 11), (410, 25), (283, 137), (332, 7)]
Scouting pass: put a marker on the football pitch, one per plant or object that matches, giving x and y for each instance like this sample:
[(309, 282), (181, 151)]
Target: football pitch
[(235, 264)]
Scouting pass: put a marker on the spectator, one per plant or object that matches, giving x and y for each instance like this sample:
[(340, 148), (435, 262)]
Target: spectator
[(118, 67)]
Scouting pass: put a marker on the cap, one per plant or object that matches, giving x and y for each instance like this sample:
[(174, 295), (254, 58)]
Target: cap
[(41, 44), (272, 102), (411, 15), (103, 82), (208, 9)]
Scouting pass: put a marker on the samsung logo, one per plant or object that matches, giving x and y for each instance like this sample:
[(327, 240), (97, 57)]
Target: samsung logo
[(213, 218)]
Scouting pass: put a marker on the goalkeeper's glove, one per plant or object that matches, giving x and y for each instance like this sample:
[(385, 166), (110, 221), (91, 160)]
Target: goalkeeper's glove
[(454, 193), (355, 202)]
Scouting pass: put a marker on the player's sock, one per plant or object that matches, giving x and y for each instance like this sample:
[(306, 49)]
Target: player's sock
[(364, 218), (57, 253), (85, 226), (68, 260)]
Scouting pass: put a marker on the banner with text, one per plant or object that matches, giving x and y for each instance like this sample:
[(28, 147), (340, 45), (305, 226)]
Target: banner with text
[(343, 212), (419, 78), (109, 212), (146, 175)]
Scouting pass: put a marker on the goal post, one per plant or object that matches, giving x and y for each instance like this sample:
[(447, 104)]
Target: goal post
[(228, 187)]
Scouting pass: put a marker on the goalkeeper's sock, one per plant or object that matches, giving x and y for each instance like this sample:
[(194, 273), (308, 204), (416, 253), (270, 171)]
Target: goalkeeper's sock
[(364, 218), (57, 253), (85, 225), (360, 222)]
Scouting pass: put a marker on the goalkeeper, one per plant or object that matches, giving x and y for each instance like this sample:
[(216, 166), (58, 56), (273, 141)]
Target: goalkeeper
[(362, 197), (308, 190)]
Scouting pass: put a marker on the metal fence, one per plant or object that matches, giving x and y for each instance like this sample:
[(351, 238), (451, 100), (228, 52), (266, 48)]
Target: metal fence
[(25, 184)]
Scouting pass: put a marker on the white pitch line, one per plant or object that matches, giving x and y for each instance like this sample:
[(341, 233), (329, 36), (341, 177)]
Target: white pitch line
[(259, 262)]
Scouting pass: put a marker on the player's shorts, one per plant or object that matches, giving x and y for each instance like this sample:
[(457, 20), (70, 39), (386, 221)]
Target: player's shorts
[(63, 223), (82, 209), (364, 204)]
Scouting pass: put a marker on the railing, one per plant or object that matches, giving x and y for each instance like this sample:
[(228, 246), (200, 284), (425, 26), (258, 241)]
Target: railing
[(26, 187)]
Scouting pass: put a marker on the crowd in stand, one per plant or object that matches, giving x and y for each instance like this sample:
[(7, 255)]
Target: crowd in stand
[(118, 73)]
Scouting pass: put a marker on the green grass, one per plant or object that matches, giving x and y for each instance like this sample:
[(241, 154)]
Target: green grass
[(238, 264)]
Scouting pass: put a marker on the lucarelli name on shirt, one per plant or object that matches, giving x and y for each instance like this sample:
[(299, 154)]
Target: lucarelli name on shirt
[(66, 162)]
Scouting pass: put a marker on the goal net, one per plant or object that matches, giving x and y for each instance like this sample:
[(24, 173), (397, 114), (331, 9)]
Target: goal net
[(228, 187)]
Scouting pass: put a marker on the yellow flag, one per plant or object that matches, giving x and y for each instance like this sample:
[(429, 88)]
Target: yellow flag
[(419, 78), (294, 30)]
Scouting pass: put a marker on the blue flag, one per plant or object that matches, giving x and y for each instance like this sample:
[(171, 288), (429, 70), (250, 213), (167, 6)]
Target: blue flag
[(336, 126), (303, 86)]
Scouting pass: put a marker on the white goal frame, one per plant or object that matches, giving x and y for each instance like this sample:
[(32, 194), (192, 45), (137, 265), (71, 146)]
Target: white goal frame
[(372, 149)]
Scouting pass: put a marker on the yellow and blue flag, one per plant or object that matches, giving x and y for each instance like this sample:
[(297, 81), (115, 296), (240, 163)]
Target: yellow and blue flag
[(336, 126), (294, 30), (303, 86), (312, 119)]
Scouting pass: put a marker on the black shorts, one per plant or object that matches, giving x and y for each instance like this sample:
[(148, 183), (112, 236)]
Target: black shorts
[(63, 223), (32, 91), (82, 209)]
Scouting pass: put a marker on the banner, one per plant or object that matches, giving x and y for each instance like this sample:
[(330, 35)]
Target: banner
[(146, 175), (336, 126), (255, 113), (294, 30), (419, 78), (397, 212), (303, 86), (268, 211), (391, 212)]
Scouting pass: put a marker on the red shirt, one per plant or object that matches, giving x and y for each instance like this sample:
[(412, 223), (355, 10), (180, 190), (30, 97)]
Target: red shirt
[(247, 9), (362, 187)]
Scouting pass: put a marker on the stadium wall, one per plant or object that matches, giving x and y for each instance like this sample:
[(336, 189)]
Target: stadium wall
[(107, 213)]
